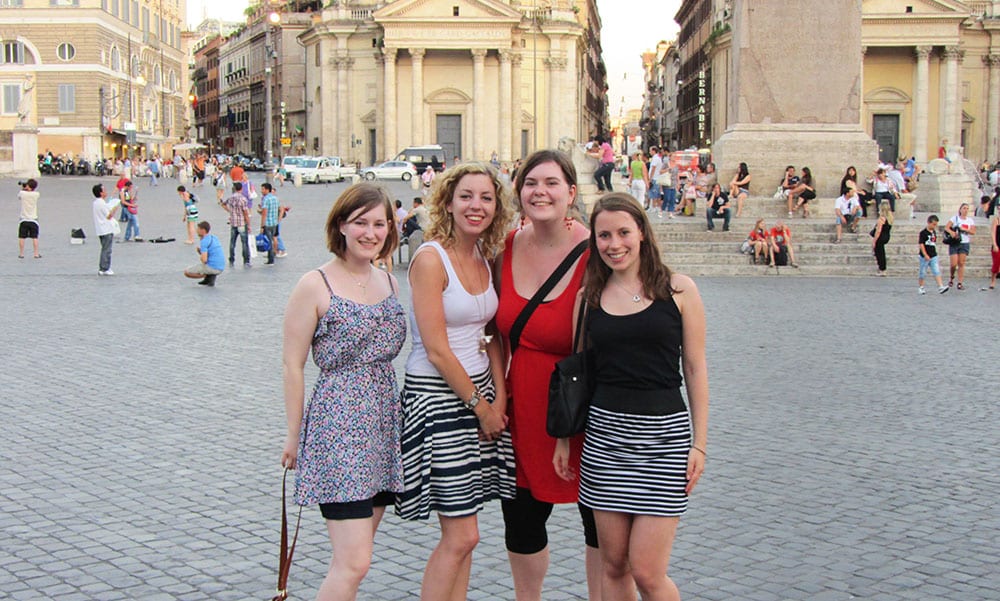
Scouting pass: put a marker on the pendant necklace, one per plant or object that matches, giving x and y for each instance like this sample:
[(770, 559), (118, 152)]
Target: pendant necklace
[(364, 286), (636, 297), (484, 339)]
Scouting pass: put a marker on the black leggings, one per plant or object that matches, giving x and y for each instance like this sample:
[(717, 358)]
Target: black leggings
[(524, 520), (880, 255)]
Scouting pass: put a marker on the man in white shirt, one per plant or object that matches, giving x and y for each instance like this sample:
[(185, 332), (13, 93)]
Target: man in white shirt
[(655, 167), (105, 226), (848, 211)]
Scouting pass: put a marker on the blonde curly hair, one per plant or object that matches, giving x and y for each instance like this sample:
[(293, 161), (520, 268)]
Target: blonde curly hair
[(442, 226)]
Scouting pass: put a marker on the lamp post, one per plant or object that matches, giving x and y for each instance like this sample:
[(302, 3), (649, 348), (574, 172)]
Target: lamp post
[(272, 19)]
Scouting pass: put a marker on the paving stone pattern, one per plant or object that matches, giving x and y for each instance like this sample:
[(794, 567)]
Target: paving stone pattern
[(852, 449)]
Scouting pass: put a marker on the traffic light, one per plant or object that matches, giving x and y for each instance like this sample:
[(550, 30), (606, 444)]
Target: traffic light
[(193, 99)]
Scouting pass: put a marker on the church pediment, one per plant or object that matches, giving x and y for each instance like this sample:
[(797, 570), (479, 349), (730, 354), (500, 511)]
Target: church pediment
[(469, 11), (448, 96), (921, 8)]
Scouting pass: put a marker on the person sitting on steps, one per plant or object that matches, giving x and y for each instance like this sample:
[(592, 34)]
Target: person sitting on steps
[(848, 212), (801, 194), (780, 241)]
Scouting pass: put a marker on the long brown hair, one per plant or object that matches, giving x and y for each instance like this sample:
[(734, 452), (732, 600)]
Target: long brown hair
[(653, 273), (442, 223)]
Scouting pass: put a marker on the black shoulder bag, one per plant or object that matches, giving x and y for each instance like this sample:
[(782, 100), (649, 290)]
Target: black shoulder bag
[(543, 291), (571, 387)]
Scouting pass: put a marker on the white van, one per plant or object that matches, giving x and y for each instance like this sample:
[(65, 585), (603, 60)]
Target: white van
[(421, 156)]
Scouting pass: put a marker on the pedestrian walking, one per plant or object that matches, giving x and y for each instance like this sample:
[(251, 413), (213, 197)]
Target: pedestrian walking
[(27, 226), (345, 445), (644, 449), (153, 165), (927, 245), (881, 234), (994, 250), (105, 226), (191, 213), (638, 180), (457, 452), (239, 223), (270, 214), (212, 261), (534, 258), (961, 227)]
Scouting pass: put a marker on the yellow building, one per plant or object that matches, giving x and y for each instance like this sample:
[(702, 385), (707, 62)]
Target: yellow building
[(102, 73), (932, 72), (476, 76)]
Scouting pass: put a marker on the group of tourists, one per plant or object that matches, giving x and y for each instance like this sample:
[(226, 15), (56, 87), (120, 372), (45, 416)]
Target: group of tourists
[(469, 425)]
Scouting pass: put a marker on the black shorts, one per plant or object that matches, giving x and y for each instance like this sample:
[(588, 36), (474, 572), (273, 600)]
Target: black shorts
[(524, 519), (27, 229), (807, 195), (356, 510)]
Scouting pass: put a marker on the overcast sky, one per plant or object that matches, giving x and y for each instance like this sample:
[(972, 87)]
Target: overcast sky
[(629, 27)]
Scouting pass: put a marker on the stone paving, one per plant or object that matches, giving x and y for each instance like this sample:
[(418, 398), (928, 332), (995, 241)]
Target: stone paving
[(852, 447)]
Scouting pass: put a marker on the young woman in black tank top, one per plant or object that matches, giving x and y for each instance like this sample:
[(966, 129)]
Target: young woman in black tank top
[(644, 324)]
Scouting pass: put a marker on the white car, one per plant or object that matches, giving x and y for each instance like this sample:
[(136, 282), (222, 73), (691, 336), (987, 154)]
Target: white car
[(403, 170), (316, 169)]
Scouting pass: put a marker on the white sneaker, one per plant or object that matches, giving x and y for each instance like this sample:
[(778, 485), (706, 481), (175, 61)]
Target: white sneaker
[(943, 289), (109, 272), (789, 213), (921, 290)]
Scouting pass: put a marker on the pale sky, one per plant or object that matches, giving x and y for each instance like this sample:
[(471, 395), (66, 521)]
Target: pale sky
[(629, 27)]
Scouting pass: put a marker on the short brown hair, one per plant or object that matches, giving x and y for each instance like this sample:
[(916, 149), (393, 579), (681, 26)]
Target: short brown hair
[(362, 196), (442, 223), (565, 164)]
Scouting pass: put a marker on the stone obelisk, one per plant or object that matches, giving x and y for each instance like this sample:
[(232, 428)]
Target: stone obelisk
[(795, 93)]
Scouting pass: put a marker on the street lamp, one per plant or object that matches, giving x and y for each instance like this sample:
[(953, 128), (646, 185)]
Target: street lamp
[(273, 18)]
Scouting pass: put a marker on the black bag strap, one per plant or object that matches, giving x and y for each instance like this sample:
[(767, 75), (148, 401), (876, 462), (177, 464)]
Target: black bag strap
[(579, 343), (543, 291)]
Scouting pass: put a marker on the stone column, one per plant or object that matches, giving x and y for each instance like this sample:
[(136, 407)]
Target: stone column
[(993, 107), (556, 66), (328, 97), (344, 65), (389, 58), (921, 103), (379, 150), (478, 103), (505, 106), (957, 86), (417, 57), (949, 96), (515, 104)]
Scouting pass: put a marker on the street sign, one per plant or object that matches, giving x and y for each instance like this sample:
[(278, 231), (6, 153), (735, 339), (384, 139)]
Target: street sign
[(286, 142)]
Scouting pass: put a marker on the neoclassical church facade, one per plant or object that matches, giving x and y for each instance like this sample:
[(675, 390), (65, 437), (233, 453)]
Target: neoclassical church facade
[(477, 77)]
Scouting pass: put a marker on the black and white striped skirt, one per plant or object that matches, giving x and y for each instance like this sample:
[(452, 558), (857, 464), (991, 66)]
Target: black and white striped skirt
[(446, 468), (635, 463)]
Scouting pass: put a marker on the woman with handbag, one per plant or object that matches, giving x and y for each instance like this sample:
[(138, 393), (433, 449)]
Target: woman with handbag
[(643, 452), (540, 272), (962, 227), (456, 450), (345, 450)]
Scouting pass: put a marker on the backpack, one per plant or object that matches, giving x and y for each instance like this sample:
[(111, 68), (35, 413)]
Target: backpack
[(781, 257)]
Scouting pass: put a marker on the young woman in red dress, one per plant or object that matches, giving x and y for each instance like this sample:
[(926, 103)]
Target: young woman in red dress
[(546, 190)]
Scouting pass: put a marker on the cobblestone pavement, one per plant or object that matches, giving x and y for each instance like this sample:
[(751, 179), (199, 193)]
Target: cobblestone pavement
[(852, 448)]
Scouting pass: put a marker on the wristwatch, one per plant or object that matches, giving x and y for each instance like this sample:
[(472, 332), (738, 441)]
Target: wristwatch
[(473, 400)]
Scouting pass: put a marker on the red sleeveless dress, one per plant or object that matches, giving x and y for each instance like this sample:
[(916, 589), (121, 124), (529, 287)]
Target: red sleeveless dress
[(547, 337)]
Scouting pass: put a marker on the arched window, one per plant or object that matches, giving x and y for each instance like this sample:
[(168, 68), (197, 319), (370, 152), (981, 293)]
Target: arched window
[(157, 76), (116, 59), (136, 66)]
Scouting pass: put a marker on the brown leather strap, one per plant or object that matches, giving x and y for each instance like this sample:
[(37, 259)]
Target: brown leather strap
[(285, 559)]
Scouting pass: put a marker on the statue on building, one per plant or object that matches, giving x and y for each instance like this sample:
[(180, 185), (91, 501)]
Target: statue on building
[(27, 101)]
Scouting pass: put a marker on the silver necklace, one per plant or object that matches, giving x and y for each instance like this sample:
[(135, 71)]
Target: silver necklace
[(636, 297), (484, 339)]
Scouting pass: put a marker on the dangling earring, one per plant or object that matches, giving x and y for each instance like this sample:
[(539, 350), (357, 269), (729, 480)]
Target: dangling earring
[(568, 222)]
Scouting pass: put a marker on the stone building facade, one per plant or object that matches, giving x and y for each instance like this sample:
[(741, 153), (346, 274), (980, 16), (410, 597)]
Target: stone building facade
[(930, 71), (107, 74), (475, 76), (659, 103)]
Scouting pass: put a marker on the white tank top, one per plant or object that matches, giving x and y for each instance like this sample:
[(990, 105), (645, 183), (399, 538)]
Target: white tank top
[(465, 317)]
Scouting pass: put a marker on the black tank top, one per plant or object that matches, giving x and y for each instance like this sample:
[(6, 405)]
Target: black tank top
[(636, 358)]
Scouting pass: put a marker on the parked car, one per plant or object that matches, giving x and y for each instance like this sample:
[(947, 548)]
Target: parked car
[(316, 169), (345, 170), (421, 156), (403, 170), (255, 165)]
